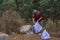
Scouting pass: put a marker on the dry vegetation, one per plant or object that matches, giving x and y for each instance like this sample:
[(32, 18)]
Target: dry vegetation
[(11, 21), (28, 37), (53, 27)]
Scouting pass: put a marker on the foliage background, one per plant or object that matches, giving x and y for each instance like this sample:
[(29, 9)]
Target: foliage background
[(14, 13)]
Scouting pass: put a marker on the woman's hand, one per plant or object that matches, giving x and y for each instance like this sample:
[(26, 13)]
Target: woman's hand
[(39, 19)]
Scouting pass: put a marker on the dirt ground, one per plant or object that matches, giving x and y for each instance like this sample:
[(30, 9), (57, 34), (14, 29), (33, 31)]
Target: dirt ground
[(28, 37)]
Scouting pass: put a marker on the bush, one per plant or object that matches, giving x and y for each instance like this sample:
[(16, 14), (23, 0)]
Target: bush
[(11, 21), (53, 27)]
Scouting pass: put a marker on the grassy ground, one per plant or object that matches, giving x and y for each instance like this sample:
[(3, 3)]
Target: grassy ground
[(28, 37)]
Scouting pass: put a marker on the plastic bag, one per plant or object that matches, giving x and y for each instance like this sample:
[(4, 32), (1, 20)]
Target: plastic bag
[(45, 35), (37, 27)]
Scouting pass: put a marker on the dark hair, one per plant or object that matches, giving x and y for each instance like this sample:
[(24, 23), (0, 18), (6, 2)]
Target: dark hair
[(34, 13)]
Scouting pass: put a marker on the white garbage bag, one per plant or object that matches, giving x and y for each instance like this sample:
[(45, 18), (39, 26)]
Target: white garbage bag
[(37, 27), (45, 35)]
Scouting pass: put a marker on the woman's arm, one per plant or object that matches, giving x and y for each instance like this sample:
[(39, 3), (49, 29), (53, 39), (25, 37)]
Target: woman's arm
[(33, 20), (39, 18)]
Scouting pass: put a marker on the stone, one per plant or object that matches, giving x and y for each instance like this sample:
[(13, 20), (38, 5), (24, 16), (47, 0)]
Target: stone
[(4, 36)]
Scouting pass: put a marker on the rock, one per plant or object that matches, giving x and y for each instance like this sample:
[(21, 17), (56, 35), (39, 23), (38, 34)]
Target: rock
[(4, 36), (25, 28), (13, 33), (29, 32)]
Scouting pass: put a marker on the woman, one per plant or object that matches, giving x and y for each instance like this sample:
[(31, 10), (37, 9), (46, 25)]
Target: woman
[(37, 16)]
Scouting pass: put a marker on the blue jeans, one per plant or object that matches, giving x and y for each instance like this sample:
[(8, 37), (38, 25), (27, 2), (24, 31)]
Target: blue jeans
[(33, 29)]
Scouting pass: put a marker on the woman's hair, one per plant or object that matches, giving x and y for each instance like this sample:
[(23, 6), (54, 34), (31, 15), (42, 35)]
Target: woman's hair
[(34, 12)]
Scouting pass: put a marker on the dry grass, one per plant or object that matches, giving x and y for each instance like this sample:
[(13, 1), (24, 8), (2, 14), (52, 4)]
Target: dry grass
[(10, 21), (28, 37), (53, 27), (24, 37)]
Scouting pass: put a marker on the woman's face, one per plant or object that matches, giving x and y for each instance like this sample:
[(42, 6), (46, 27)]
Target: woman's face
[(38, 12)]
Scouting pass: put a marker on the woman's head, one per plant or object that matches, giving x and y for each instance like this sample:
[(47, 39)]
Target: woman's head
[(36, 12)]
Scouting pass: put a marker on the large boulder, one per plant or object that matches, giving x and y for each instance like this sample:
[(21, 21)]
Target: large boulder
[(25, 29)]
